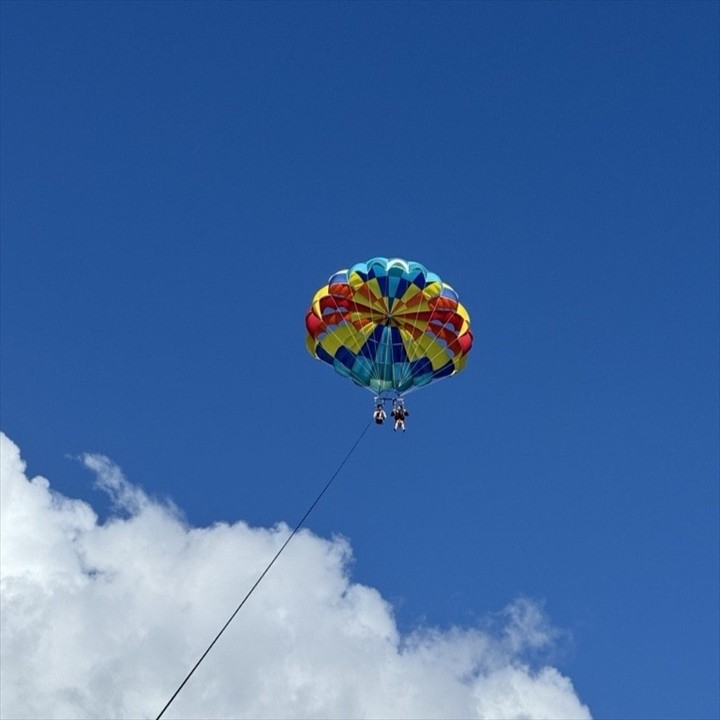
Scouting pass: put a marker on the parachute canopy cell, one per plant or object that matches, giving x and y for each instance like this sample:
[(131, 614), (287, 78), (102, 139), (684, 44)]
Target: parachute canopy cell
[(389, 325)]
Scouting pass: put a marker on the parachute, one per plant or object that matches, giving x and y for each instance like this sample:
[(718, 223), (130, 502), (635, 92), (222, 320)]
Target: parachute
[(389, 325)]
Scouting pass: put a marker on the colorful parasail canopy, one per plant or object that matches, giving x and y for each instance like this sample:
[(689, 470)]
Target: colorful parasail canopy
[(389, 325)]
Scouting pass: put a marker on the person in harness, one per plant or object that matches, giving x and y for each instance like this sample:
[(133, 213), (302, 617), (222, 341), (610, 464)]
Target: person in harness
[(399, 412), (379, 414)]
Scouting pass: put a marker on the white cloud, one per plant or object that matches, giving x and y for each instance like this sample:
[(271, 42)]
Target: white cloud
[(103, 620)]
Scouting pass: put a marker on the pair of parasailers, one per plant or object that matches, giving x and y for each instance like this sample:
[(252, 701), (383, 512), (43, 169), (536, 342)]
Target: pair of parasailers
[(398, 413)]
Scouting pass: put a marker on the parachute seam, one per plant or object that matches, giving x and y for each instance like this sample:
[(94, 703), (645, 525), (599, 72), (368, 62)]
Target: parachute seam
[(432, 314), (374, 371), (437, 354), (334, 330), (414, 323)]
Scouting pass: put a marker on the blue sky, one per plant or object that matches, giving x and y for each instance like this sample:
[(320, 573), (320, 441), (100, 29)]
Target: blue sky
[(178, 179)]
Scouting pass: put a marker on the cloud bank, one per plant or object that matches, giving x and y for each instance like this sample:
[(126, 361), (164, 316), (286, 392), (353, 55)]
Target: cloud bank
[(104, 620)]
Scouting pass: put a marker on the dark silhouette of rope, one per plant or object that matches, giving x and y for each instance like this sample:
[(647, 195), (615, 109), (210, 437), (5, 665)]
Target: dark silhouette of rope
[(265, 571)]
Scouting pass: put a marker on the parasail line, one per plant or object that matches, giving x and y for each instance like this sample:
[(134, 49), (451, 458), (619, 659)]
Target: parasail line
[(266, 570)]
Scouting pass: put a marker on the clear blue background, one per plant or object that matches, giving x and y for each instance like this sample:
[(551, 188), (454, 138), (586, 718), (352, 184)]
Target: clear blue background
[(179, 178)]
